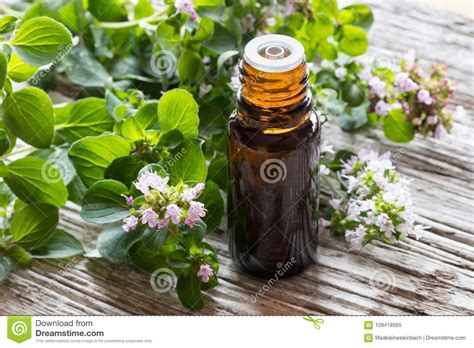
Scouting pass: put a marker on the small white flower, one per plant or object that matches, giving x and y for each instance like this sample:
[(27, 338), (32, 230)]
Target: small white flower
[(335, 203), (142, 185), (353, 210), (149, 217), (196, 210), (391, 195), (248, 23), (153, 180), (188, 194), (380, 163), (367, 206), (326, 147), (186, 6), (205, 271), (204, 89), (362, 191), (385, 224), (130, 223), (366, 155), (340, 73), (352, 183), (348, 166), (325, 171), (409, 59), (440, 132), (404, 229), (271, 21), (432, 120), (365, 74), (376, 197), (157, 182), (382, 108), (370, 218), (404, 83), (424, 97), (408, 215), (199, 188), (355, 238), (193, 192), (235, 80), (377, 86), (323, 224), (174, 213)]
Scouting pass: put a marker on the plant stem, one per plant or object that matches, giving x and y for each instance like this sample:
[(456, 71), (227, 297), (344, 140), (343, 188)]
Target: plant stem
[(148, 26)]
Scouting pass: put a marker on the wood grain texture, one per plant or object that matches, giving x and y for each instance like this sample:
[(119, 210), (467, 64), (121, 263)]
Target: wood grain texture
[(432, 275)]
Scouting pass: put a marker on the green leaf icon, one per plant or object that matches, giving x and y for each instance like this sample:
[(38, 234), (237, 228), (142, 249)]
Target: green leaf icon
[(19, 328), (317, 322)]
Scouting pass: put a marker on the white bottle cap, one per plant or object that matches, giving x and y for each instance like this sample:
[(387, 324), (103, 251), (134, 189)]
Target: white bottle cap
[(274, 53)]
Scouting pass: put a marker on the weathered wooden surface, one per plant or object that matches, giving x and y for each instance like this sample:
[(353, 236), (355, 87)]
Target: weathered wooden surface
[(432, 275)]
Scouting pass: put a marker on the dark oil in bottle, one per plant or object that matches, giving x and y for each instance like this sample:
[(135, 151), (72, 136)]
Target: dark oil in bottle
[(274, 137)]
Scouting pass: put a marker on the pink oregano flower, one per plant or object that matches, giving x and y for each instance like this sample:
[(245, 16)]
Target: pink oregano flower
[(129, 200), (421, 95), (164, 204), (149, 217), (173, 213), (374, 202), (186, 6), (130, 223), (205, 271), (196, 210), (151, 180)]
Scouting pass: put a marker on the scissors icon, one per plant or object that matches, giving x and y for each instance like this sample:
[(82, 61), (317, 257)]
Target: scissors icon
[(316, 322)]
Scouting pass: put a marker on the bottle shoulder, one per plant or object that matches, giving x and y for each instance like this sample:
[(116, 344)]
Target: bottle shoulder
[(312, 123), (308, 131)]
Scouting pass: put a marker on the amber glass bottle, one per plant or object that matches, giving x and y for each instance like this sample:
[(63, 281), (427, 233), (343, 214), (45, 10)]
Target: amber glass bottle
[(274, 140)]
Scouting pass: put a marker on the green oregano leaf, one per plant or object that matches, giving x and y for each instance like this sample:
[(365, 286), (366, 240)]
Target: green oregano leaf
[(88, 117), (396, 128), (189, 291), (29, 114), (40, 40), (3, 68), (214, 203), (19, 256), (5, 267), (187, 162), (108, 10), (114, 243), (354, 40), (7, 24), (104, 202), (84, 69), (177, 109), (18, 70), (132, 163), (59, 245), (36, 181), (92, 155), (4, 141), (33, 224)]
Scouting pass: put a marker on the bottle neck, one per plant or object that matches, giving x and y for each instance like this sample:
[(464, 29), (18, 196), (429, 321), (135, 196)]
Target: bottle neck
[(273, 102)]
